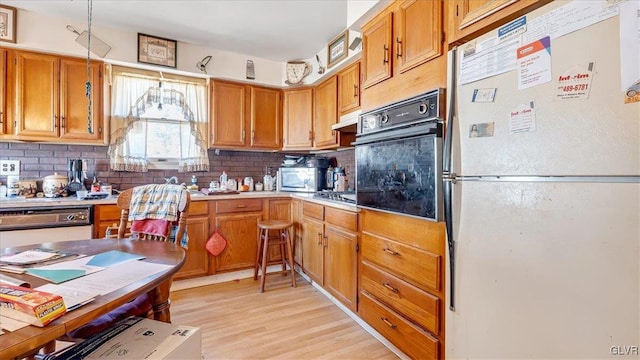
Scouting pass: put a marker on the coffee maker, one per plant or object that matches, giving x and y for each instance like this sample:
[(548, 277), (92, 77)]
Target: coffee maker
[(77, 174)]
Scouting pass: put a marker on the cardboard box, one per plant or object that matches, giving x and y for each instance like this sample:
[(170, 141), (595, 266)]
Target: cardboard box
[(139, 338), (35, 307)]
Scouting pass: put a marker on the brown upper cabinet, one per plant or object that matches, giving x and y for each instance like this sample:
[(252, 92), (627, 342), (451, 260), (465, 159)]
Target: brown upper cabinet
[(244, 116), (309, 114), (298, 119), (349, 89), (3, 92), (325, 114), (469, 18), (403, 36), (402, 53), (48, 97)]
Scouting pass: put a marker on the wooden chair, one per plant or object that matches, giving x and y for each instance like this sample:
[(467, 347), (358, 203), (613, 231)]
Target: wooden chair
[(141, 306)]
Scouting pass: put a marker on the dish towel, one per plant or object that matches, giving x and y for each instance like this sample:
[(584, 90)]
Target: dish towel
[(154, 208)]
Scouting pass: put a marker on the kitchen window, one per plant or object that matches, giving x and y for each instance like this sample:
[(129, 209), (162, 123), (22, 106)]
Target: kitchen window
[(158, 123)]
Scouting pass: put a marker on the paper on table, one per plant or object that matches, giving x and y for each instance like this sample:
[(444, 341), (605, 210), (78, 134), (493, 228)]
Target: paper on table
[(65, 271), (5, 279), (73, 298), (113, 257), (10, 324), (28, 257), (116, 277)]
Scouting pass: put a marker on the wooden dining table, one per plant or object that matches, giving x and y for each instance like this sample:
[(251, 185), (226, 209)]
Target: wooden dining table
[(25, 341)]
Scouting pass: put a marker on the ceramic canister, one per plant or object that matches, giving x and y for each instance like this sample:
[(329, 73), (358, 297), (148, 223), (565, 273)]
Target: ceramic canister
[(28, 188), (55, 185)]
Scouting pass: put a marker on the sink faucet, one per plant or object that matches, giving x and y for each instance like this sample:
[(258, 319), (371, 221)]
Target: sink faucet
[(171, 180)]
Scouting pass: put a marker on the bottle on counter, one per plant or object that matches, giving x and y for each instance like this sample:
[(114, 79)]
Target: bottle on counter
[(95, 185), (224, 178)]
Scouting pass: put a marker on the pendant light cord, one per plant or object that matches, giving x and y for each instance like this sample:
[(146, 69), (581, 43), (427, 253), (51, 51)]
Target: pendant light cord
[(88, 83)]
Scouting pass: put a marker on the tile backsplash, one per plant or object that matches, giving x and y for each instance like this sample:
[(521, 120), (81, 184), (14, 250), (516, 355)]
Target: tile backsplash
[(40, 160)]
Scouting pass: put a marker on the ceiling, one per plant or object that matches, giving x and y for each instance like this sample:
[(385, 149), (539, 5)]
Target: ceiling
[(278, 30)]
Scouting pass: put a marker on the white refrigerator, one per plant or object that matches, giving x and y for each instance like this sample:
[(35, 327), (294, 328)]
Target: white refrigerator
[(543, 193)]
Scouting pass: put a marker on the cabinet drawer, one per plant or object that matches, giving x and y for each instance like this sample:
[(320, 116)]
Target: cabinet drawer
[(341, 218), (419, 233), (105, 212), (230, 206), (198, 208), (417, 305), (407, 337), (419, 267), (313, 210)]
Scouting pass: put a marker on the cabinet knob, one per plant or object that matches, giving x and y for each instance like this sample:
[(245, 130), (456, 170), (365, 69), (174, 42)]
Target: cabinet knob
[(355, 90)]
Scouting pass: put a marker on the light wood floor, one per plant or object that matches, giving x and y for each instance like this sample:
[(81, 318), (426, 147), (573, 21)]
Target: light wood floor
[(239, 322)]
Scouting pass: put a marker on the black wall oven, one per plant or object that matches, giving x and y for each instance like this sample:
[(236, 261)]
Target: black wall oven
[(398, 153)]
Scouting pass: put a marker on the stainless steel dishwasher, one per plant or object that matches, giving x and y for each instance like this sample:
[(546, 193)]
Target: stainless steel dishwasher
[(35, 225)]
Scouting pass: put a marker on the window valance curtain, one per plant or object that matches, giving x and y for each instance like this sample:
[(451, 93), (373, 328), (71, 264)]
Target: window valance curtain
[(136, 101)]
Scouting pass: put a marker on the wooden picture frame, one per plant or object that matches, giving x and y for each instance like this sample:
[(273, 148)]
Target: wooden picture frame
[(8, 21), (337, 49), (157, 51)]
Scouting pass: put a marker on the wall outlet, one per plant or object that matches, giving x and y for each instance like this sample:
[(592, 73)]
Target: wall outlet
[(9, 167)]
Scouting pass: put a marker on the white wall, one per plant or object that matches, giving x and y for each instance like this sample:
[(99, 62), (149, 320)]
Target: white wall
[(49, 34)]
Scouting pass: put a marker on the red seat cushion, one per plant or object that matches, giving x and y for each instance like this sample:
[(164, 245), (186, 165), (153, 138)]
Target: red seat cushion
[(138, 307)]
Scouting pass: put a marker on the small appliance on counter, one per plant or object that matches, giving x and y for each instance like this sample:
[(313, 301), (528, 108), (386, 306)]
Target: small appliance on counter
[(77, 175), (301, 179)]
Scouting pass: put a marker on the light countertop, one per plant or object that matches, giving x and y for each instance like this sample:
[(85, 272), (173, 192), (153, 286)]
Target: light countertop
[(21, 202)]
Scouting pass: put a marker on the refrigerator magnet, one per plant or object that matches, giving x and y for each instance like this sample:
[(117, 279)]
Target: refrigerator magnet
[(522, 119), (575, 83), (481, 130), (484, 95)]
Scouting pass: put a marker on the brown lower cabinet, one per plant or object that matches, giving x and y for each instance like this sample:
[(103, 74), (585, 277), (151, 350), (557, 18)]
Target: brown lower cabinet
[(197, 258), (329, 250), (237, 221), (402, 281)]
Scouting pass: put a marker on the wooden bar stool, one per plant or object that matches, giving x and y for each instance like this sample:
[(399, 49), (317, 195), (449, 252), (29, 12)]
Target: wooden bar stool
[(284, 243)]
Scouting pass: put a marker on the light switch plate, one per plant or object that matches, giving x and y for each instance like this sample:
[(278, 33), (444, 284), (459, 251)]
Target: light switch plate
[(9, 167)]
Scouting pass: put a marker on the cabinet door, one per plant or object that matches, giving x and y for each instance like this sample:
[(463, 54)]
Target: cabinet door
[(313, 249), (418, 33), (297, 231), (376, 50), (349, 89), (241, 232), (228, 114), (469, 18), (266, 124), (196, 261), (341, 265), (3, 92), (74, 104), (280, 209), (37, 94), (298, 119), (325, 114)]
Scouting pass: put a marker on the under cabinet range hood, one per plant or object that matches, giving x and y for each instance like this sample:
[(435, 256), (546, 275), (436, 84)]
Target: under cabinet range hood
[(348, 123)]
